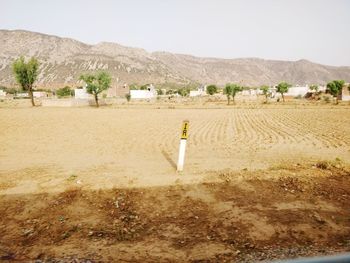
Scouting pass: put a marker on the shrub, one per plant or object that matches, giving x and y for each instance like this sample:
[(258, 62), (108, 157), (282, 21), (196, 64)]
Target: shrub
[(323, 165), (128, 97), (9, 90), (212, 89), (184, 92), (326, 99), (64, 92)]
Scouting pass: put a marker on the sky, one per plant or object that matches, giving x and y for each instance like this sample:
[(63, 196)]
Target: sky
[(316, 30)]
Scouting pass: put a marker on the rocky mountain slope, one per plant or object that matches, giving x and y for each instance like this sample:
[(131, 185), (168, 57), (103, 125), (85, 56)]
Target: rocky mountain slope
[(63, 60)]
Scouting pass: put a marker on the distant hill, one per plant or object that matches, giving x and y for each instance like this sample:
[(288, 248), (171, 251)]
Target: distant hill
[(64, 59)]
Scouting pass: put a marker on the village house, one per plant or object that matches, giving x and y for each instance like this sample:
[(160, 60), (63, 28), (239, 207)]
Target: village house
[(201, 91), (345, 93), (118, 91), (81, 93), (148, 93), (2, 93), (297, 91)]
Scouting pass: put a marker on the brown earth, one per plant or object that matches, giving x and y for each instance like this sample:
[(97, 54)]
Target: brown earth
[(100, 184)]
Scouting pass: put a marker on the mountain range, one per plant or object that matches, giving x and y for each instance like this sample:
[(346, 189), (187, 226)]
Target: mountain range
[(63, 60)]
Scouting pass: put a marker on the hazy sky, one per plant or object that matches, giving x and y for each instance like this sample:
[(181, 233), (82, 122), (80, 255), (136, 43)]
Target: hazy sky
[(317, 30)]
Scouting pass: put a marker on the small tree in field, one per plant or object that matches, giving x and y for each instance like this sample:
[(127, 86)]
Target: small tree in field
[(283, 88), (26, 74), (228, 92), (231, 90), (334, 87), (96, 83), (265, 91), (235, 89), (212, 89)]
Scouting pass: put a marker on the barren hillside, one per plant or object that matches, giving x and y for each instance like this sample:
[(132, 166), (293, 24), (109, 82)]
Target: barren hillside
[(63, 60)]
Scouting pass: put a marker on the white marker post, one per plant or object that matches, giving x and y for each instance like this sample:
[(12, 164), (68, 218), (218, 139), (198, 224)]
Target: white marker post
[(182, 149)]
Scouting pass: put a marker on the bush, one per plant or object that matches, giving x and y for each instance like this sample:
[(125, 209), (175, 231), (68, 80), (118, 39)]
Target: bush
[(144, 87), (212, 89), (170, 92), (184, 92), (9, 90), (326, 99), (64, 92), (128, 97)]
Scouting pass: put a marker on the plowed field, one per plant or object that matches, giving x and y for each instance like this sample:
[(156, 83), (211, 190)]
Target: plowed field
[(101, 184)]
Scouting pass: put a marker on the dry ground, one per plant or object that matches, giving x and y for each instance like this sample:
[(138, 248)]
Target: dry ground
[(101, 184)]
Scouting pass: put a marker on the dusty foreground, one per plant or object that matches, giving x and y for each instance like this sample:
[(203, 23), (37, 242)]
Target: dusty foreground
[(100, 184), (245, 216)]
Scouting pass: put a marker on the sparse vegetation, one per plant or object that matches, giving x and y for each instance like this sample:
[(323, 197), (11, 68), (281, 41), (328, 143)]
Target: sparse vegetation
[(65, 92), (9, 90), (228, 92), (212, 89), (26, 74), (231, 90), (314, 87), (283, 88), (144, 87), (334, 87), (184, 92), (97, 83), (265, 91), (326, 99)]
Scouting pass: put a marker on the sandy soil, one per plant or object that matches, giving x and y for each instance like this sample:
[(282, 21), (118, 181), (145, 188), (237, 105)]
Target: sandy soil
[(101, 184)]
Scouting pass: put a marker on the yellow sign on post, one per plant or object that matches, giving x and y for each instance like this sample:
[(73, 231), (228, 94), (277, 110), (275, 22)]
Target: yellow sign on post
[(182, 148), (185, 126)]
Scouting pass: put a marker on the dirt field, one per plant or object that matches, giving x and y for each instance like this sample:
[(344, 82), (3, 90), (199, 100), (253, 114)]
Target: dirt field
[(100, 184)]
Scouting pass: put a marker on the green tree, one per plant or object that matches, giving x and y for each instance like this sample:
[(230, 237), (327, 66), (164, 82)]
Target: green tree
[(334, 87), (283, 88), (96, 83), (231, 90), (235, 89), (64, 92), (184, 92), (26, 74), (144, 87), (228, 92), (265, 91), (212, 89)]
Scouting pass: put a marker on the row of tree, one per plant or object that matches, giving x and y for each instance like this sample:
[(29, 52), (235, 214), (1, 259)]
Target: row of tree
[(334, 88), (232, 89), (27, 72)]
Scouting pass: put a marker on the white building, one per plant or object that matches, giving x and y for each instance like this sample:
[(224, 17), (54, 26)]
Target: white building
[(22, 95), (201, 91), (148, 93), (345, 93), (2, 93), (81, 94), (39, 94), (297, 91)]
